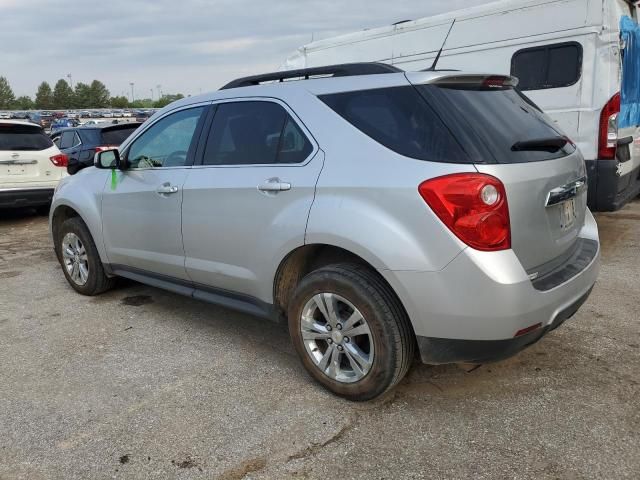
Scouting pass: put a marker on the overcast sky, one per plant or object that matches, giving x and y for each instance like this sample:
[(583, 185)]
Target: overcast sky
[(186, 46)]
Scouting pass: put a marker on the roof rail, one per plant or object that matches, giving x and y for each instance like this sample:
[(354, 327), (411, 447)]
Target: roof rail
[(343, 70)]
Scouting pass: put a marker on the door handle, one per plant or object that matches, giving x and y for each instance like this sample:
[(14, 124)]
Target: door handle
[(274, 185), (166, 189)]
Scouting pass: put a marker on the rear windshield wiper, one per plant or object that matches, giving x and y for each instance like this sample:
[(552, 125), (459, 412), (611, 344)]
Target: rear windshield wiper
[(549, 144)]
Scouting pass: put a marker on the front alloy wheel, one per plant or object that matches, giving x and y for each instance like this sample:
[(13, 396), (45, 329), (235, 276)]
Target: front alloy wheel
[(74, 256)]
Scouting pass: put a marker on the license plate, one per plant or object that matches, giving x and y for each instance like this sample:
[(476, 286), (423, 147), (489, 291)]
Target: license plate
[(567, 214)]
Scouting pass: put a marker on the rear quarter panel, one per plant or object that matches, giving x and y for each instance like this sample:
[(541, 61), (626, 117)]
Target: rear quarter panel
[(367, 200)]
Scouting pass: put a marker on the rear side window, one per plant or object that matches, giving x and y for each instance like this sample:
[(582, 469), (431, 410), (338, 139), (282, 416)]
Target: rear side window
[(69, 139), (550, 66), (254, 133), (497, 122), (23, 138), (401, 120), (116, 136)]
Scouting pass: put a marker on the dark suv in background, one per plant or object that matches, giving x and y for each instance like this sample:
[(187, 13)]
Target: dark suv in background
[(81, 143)]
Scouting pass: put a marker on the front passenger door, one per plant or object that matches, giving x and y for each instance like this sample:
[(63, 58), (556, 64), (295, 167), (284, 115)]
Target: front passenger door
[(141, 209)]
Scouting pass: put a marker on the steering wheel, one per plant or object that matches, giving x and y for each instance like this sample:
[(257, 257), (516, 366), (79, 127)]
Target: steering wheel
[(176, 159)]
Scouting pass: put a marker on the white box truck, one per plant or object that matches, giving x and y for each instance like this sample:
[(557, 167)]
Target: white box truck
[(567, 55)]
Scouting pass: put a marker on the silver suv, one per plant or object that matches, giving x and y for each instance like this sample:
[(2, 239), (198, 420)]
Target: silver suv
[(379, 211)]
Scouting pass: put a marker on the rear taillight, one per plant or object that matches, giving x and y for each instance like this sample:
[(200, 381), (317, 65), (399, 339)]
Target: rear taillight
[(473, 206), (60, 160), (608, 133)]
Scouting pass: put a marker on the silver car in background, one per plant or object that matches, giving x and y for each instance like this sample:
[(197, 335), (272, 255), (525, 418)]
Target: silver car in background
[(378, 211)]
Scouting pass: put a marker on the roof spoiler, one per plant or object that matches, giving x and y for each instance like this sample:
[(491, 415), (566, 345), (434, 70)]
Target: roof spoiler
[(491, 81), (342, 70)]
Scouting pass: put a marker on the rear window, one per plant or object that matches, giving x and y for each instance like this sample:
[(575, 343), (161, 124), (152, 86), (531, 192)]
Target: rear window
[(401, 120), (549, 66), (23, 137), (452, 123), (116, 136), (492, 122)]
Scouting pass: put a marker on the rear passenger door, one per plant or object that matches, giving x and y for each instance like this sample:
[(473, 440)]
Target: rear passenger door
[(246, 204)]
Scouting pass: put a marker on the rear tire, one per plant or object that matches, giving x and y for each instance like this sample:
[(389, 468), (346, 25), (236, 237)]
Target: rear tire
[(373, 354), (80, 260)]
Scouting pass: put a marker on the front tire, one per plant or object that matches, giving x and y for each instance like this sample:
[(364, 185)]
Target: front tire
[(80, 260), (350, 331)]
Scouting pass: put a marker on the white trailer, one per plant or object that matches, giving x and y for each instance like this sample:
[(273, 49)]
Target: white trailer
[(566, 53)]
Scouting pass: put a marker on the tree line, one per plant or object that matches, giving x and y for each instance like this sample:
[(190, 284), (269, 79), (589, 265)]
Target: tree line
[(83, 95)]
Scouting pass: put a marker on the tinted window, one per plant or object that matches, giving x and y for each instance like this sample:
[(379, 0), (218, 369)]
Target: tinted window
[(401, 120), (67, 139), (550, 66), (494, 120), (116, 136), (23, 137), (245, 133), (167, 142)]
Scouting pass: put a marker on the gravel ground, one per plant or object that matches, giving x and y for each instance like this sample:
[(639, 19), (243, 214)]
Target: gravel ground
[(140, 383)]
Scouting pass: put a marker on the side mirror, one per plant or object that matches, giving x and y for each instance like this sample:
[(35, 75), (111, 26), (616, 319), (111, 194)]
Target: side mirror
[(108, 160)]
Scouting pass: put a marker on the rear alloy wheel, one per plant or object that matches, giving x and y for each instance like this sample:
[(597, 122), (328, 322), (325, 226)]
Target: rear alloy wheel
[(350, 331), (337, 337)]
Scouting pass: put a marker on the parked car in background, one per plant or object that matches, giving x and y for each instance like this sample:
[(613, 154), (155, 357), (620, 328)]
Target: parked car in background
[(569, 58), (81, 143), (43, 119), (107, 114), (5, 115), (20, 115), (62, 123), (88, 123), (30, 165), (378, 211), (127, 114), (142, 116), (85, 114)]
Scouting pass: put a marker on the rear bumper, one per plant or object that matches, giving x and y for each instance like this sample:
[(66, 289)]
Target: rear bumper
[(445, 350), (472, 310), (609, 191), (25, 197)]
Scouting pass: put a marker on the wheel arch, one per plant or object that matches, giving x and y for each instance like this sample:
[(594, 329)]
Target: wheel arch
[(310, 257)]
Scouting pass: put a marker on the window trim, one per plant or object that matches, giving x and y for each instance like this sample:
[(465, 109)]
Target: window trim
[(195, 140), (198, 163), (546, 48)]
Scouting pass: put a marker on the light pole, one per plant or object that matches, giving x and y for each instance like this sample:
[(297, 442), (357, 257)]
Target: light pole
[(133, 99), (159, 87), (70, 81), (151, 90)]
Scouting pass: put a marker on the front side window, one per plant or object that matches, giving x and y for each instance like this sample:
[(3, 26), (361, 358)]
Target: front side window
[(167, 142), (550, 66), (254, 133)]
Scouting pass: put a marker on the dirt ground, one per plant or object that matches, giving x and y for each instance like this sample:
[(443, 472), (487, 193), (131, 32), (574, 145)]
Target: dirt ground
[(141, 383)]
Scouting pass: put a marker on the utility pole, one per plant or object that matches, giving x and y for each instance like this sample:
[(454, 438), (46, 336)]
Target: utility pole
[(151, 90), (70, 81), (159, 87), (133, 99)]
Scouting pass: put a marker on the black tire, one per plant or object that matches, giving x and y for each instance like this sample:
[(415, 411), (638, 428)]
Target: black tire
[(393, 338), (97, 281)]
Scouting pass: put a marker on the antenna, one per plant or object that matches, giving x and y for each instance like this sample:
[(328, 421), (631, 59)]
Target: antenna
[(435, 62)]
